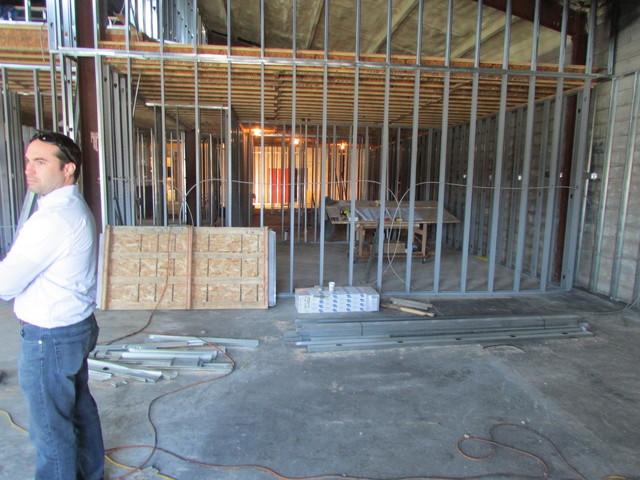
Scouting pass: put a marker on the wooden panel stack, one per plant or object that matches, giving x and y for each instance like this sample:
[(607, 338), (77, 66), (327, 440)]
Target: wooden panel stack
[(173, 268)]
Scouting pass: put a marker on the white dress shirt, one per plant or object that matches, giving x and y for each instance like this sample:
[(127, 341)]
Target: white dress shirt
[(51, 267)]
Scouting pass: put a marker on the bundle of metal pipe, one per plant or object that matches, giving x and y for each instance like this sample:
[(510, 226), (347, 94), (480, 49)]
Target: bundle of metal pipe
[(332, 334)]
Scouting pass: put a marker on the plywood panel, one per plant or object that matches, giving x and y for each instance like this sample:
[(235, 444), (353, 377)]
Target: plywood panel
[(184, 267)]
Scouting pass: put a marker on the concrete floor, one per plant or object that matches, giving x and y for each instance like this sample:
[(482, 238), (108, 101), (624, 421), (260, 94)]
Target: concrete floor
[(373, 414)]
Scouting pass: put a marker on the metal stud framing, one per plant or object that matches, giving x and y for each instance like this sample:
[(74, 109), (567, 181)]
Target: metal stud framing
[(353, 169), (292, 152), (497, 180), (414, 150), (602, 203), (443, 152), (471, 154), (385, 154), (578, 170), (555, 152), (324, 156), (485, 171), (626, 187), (528, 145)]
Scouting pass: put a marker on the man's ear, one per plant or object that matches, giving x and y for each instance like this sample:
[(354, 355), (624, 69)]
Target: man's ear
[(70, 169)]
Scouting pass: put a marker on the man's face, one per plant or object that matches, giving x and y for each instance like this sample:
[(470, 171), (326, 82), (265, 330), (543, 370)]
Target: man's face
[(45, 172)]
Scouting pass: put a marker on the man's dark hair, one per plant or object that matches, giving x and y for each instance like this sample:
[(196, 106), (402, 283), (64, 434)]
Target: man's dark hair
[(68, 150)]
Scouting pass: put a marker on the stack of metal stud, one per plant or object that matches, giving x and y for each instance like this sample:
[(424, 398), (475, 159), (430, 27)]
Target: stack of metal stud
[(320, 334)]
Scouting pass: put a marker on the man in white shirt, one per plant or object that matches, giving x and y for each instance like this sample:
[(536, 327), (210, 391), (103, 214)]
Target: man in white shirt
[(50, 272)]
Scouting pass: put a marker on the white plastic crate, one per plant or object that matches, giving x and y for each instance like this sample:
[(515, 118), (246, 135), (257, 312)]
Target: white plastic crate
[(341, 299)]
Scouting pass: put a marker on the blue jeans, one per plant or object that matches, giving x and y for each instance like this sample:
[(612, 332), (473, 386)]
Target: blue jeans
[(64, 422)]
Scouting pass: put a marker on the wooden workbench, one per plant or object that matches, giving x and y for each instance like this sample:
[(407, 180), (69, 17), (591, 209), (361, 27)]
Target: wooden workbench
[(396, 218)]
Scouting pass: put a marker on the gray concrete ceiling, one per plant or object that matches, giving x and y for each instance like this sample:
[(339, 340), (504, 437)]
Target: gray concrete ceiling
[(310, 25)]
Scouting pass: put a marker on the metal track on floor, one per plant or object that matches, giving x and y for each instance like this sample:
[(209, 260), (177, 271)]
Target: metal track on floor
[(334, 334)]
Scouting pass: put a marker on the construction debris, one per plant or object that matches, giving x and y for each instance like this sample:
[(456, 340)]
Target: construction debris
[(414, 307), (333, 334), (404, 302), (192, 341), (99, 375), (140, 375), (413, 311), (161, 356)]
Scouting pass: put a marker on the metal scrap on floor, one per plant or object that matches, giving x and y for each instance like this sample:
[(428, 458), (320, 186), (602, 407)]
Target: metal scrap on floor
[(162, 356)]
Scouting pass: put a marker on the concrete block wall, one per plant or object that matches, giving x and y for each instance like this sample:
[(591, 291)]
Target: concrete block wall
[(597, 267)]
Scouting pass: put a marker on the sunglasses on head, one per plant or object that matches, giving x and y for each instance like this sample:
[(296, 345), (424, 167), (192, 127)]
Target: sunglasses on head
[(67, 146)]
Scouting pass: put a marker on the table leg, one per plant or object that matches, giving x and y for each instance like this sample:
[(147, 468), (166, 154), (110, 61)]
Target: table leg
[(423, 247)]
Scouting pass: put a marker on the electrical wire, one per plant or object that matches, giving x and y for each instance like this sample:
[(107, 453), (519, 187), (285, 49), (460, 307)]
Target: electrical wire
[(467, 438), (491, 441), (194, 384), (279, 476), (390, 258), (20, 428), (132, 470), (185, 209), (12, 422), (155, 308), (155, 447), (628, 306)]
